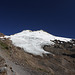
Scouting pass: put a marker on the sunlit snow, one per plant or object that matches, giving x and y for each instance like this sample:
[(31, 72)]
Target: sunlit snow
[(33, 41)]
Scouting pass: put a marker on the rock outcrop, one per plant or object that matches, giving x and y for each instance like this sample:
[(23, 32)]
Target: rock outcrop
[(3, 70)]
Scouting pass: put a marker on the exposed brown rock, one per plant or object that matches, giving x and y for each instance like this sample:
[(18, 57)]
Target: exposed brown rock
[(2, 35), (63, 63), (2, 67)]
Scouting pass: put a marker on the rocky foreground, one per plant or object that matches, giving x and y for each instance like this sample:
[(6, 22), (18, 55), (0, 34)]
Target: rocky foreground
[(62, 62)]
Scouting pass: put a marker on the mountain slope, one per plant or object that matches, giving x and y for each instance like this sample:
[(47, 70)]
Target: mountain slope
[(63, 49)]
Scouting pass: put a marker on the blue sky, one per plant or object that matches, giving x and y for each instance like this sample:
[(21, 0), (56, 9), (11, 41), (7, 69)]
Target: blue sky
[(54, 16)]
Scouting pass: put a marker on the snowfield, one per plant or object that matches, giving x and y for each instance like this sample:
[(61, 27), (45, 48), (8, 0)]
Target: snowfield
[(33, 41)]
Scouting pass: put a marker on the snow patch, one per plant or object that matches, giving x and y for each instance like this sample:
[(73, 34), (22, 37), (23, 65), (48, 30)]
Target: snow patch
[(73, 44)]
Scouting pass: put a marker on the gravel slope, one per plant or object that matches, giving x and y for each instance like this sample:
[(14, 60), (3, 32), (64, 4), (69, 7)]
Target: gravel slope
[(17, 70)]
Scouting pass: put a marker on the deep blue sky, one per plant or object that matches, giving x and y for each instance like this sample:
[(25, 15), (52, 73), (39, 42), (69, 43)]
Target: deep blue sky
[(54, 16)]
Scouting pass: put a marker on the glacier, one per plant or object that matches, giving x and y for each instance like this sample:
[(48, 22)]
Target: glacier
[(33, 41)]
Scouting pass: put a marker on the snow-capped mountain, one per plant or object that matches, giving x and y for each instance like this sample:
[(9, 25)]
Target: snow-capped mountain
[(33, 41), (24, 50)]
